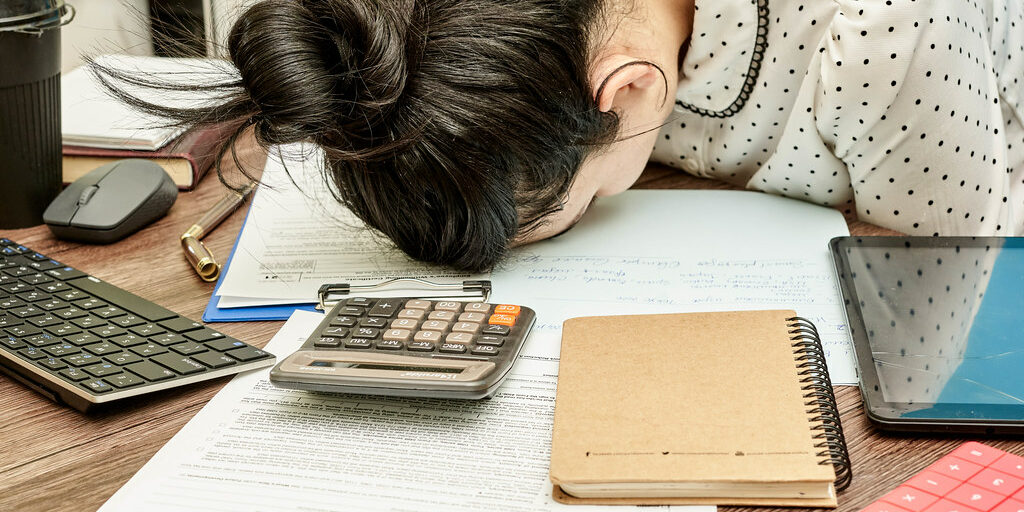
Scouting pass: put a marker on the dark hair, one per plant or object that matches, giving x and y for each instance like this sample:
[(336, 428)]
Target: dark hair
[(451, 126)]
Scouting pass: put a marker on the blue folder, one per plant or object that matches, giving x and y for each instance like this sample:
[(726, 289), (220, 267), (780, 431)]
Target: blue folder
[(249, 313)]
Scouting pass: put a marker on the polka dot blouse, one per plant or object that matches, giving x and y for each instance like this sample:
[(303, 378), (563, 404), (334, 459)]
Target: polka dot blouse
[(908, 111)]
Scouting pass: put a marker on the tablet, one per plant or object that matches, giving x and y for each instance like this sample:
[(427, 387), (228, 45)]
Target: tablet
[(938, 328)]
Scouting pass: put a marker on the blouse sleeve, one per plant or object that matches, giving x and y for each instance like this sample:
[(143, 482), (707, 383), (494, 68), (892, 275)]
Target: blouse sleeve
[(908, 100)]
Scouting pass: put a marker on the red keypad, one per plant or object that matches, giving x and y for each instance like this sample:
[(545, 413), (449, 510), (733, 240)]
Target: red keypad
[(972, 478)]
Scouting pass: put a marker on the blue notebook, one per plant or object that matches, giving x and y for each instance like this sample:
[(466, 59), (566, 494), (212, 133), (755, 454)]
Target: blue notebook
[(250, 313)]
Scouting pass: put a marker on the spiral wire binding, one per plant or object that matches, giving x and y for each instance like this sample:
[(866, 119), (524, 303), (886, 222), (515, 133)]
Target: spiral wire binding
[(821, 400)]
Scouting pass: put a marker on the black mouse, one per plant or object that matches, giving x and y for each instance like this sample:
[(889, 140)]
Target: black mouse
[(111, 202)]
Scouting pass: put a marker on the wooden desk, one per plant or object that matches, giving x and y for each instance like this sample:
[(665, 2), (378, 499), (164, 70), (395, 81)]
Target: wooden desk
[(53, 458)]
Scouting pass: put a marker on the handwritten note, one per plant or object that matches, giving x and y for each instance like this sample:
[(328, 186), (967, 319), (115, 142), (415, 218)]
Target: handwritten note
[(721, 250)]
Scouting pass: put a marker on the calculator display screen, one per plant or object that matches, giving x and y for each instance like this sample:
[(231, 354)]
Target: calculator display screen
[(940, 321), (373, 366)]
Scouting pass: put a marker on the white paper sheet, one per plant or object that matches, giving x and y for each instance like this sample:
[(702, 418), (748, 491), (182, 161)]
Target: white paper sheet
[(663, 251), (258, 448), (297, 237)]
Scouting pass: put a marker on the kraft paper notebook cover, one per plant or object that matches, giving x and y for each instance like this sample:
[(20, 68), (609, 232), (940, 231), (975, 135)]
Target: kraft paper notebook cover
[(728, 408)]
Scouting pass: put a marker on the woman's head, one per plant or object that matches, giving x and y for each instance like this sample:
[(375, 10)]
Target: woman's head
[(454, 127)]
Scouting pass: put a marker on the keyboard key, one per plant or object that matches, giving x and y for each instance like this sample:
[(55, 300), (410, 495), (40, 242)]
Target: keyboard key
[(90, 303), (41, 340), (181, 364), (108, 312), (149, 349), (99, 370), (70, 313), (32, 353), (79, 360), (97, 386), (21, 331), (124, 380), (204, 334), (52, 363), (11, 342), (168, 338), (83, 338), (214, 359), (46, 320), (180, 324), (63, 329), (125, 300), (150, 371), (186, 349), (9, 320), (123, 358), (88, 322), (225, 344), (128, 340), (73, 374), (108, 331), (102, 349), (148, 330), (128, 320), (63, 349)]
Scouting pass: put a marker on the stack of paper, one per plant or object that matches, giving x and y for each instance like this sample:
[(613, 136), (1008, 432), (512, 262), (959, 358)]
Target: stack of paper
[(92, 117)]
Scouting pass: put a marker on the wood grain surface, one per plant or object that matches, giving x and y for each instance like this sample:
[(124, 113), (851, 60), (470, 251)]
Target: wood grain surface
[(54, 458)]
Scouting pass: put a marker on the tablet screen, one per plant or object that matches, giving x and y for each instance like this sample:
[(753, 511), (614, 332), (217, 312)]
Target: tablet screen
[(941, 323)]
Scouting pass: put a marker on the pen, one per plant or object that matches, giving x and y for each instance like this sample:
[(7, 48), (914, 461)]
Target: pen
[(197, 254)]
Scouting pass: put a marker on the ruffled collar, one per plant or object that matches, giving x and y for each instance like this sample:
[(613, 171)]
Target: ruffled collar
[(724, 56)]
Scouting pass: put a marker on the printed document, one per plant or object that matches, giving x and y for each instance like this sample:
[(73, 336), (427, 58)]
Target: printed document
[(256, 448), (297, 236)]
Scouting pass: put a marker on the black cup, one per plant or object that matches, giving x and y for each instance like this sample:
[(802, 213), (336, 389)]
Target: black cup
[(30, 139)]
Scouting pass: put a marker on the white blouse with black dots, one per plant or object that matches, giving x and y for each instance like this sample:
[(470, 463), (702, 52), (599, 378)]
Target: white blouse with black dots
[(909, 111)]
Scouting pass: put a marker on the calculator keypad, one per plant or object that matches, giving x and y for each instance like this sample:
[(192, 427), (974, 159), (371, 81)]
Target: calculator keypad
[(419, 326)]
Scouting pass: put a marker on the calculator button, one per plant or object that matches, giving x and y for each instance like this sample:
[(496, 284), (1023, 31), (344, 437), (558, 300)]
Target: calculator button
[(472, 317), (384, 308), (431, 336), (485, 350), (933, 482), (944, 505), (373, 321), (469, 327), (351, 311), (453, 348), (418, 304), (997, 481), (412, 313), (389, 345), (459, 337), (977, 453), (909, 498), (478, 307), (404, 323), (327, 342), (448, 306), (490, 339), (358, 343), (344, 321), (1010, 506), (975, 497), (506, 309), (444, 316), (359, 301), (434, 325), (500, 330), (397, 335), (339, 332), (421, 346), (881, 506), (508, 320), (955, 468), (1010, 464), (366, 332)]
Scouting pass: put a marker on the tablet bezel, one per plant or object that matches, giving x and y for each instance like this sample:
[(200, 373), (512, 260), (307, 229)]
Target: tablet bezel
[(885, 414)]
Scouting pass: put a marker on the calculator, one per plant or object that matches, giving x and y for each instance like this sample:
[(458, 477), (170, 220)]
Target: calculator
[(409, 347)]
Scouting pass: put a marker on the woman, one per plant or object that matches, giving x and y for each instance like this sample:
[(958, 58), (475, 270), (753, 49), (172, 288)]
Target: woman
[(460, 127)]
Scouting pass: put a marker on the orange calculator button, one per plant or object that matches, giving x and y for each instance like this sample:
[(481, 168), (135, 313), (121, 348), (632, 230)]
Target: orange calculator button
[(497, 319), (506, 309)]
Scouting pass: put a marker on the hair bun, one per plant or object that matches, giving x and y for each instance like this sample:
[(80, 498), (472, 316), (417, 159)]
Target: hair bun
[(322, 68)]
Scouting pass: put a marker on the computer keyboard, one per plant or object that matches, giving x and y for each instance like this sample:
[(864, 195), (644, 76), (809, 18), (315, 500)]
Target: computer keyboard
[(84, 342)]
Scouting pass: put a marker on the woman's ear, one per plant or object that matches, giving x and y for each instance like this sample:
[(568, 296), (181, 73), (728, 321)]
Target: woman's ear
[(621, 80)]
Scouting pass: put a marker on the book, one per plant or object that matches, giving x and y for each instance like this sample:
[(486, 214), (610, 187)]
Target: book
[(186, 159), (724, 408), (92, 117)]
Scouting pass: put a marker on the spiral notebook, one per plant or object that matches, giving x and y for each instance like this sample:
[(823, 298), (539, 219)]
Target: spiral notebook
[(725, 408)]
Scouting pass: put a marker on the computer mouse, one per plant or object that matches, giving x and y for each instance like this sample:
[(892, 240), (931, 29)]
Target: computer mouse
[(111, 202)]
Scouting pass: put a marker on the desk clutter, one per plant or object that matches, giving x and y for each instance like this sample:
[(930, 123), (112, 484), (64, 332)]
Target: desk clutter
[(972, 478), (85, 342)]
